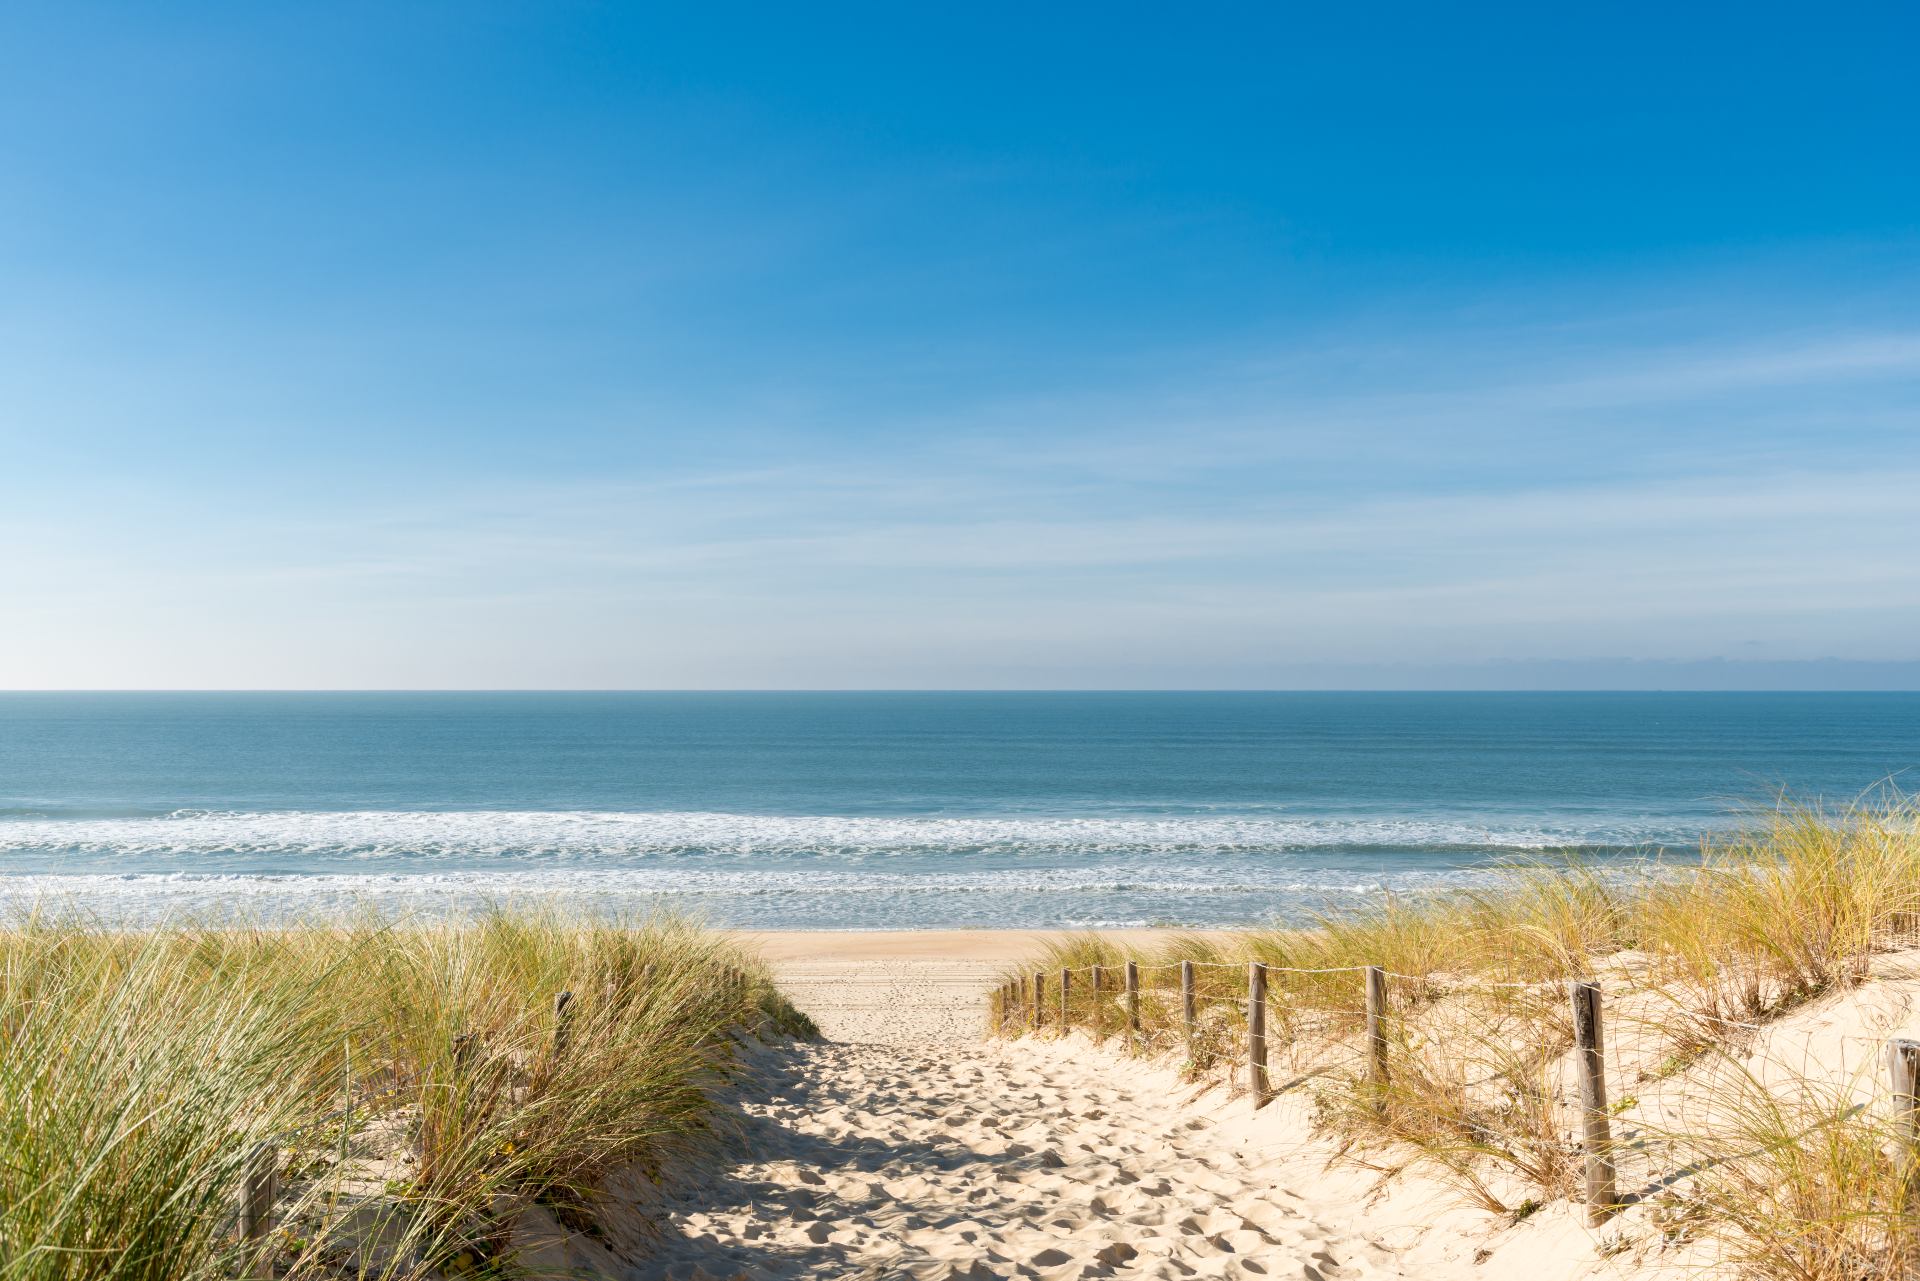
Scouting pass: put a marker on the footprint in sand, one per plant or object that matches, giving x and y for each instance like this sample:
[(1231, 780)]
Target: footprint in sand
[(927, 1181)]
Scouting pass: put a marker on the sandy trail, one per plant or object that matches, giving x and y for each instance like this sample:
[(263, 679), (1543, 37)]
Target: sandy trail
[(940, 1156), (881, 1161)]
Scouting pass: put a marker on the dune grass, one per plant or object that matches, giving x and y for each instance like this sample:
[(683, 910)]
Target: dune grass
[(418, 1080), (1694, 955), (1805, 1185)]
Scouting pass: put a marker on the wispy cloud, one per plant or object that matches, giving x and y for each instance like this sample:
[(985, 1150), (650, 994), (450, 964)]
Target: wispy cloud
[(1258, 524)]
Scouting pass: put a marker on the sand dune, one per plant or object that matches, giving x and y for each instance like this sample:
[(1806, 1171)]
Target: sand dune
[(909, 1147)]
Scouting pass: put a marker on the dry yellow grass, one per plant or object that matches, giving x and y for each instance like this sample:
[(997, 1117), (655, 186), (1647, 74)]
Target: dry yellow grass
[(140, 1069), (1693, 955)]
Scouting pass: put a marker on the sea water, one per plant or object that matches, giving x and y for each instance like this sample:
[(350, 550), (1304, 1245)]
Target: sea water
[(884, 810)]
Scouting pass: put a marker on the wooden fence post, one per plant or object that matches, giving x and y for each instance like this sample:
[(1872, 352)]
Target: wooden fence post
[(1133, 1005), (1099, 1015), (1591, 1057), (1903, 1064), (1187, 1002), (1039, 999), (1066, 1010), (562, 1022), (1257, 1034), (1377, 1033), (258, 1191), (464, 1046)]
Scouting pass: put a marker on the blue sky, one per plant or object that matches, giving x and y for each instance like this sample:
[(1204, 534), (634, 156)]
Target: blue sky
[(575, 345)]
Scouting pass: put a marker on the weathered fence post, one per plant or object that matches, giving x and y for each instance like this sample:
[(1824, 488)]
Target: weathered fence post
[(1591, 1057), (464, 1048), (1025, 1015), (1099, 1015), (1066, 1011), (258, 1190), (1377, 1033), (1903, 1063), (1257, 1034), (1039, 999), (1187, 1003), (1133, 1005), (562, 1022)]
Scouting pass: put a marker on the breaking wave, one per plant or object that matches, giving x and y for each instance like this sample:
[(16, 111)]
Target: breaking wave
[(491, 835)]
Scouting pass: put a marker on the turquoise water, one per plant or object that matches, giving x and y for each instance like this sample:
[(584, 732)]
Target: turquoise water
[(882, 810)]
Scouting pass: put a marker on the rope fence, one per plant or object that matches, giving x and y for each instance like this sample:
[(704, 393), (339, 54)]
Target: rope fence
[(1535, 1060)]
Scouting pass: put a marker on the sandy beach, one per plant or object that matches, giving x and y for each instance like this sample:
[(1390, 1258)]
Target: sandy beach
[(904, 1145), (899, 987), (987, 1161)]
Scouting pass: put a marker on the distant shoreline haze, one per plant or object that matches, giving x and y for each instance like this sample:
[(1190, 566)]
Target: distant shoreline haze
[(1714, 675)]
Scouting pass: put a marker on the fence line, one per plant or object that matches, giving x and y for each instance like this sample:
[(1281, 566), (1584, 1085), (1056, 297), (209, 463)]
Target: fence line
[(1587, 1041)]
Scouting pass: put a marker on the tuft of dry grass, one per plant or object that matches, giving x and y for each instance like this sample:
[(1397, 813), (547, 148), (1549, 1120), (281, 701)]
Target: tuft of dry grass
[(1784, 912), (1807, 1185), (1478, 1095), (140, 1069)]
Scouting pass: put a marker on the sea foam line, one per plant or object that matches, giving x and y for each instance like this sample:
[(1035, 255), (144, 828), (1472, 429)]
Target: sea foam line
[(1083, 898), (495, 834)]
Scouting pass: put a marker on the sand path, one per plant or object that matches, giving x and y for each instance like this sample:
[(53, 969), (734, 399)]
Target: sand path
[(949, 1157)]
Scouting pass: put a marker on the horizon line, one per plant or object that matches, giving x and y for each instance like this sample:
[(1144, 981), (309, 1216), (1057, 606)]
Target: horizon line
[(1036, 689)]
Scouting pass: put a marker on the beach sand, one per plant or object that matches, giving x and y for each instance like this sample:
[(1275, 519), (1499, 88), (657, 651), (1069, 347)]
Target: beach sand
[(906, 1146), (900, 987), (977, 1161)]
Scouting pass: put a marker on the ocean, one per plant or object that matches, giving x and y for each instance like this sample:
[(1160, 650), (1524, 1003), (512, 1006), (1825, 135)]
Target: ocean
[(882, 810)]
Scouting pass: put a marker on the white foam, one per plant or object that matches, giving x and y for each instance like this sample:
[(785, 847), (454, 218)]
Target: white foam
[(489, 834), (754, 870), (1068, 898)]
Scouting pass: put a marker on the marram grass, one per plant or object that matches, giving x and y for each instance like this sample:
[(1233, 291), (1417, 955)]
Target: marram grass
[(1795, 1181), (140, 1069)]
